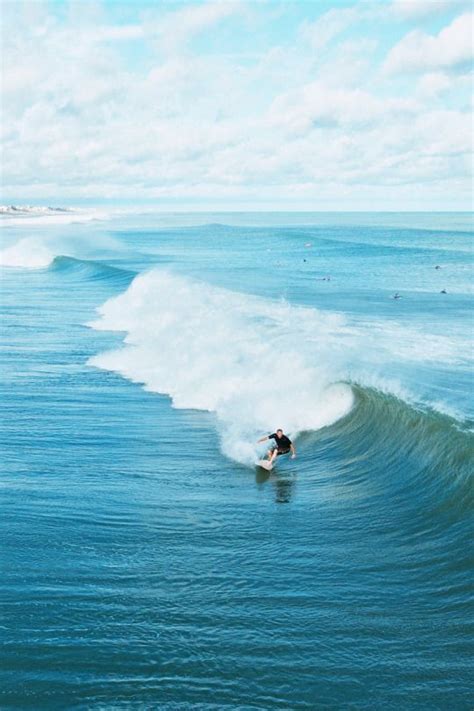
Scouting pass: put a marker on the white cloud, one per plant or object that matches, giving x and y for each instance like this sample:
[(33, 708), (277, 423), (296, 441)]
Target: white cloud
[(331, 24), (317, 105), (176, 29), (420, 9), (350, 65), (434, 83), (81, 120), (419, 52), (120, 32)]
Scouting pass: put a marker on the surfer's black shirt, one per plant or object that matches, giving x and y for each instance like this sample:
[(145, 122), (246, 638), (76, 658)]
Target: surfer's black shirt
[(282, 442)]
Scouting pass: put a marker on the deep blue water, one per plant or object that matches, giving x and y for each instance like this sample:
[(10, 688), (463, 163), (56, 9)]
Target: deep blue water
[(147, 561)]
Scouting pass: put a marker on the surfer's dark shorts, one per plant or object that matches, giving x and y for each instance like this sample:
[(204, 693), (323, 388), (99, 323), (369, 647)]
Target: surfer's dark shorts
[(282, 451)]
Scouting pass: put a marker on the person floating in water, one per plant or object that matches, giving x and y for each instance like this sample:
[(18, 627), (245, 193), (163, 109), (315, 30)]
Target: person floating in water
[(282, 445), (396, 296)]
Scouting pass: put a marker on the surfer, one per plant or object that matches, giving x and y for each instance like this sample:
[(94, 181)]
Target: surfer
[(282, 445)]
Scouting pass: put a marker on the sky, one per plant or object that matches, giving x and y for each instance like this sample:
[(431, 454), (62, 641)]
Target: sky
[(267, 104)]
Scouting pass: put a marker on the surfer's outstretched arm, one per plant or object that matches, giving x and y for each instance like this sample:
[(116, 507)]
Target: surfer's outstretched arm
[(262, 439)]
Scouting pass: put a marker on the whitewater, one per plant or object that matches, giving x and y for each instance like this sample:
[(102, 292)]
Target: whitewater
[(144, 354)]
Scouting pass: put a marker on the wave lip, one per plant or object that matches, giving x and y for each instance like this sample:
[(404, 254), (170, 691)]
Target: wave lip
[(257, 364)]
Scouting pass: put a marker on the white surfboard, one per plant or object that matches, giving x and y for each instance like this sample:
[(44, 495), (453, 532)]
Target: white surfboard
[(265, 464)]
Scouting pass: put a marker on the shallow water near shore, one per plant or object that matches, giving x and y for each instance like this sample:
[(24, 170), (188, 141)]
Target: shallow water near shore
[(147, 562)]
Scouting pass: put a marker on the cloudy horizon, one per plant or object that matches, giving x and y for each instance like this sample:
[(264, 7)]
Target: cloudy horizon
[(231, 105)]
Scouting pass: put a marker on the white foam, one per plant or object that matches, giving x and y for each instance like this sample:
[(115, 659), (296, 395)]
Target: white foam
[(257, 364), (28, 253)]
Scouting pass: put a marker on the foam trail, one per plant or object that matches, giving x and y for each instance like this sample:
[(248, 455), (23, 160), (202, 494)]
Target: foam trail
[(257, 364)]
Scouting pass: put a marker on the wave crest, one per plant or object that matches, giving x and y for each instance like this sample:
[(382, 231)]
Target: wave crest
[(27, 253)]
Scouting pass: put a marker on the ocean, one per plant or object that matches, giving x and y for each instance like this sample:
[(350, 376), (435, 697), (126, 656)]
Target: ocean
[(147, 561)]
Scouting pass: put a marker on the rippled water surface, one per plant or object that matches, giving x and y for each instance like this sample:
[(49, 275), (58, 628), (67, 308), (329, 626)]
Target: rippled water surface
[(147, 561)]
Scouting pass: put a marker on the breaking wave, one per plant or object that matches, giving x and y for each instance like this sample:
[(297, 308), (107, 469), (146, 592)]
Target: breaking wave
[(27, 253), (40, 250), (249, 360), (254, 362)]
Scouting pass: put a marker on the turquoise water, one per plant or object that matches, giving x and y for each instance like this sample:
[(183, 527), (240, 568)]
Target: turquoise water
[(147, 561)]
